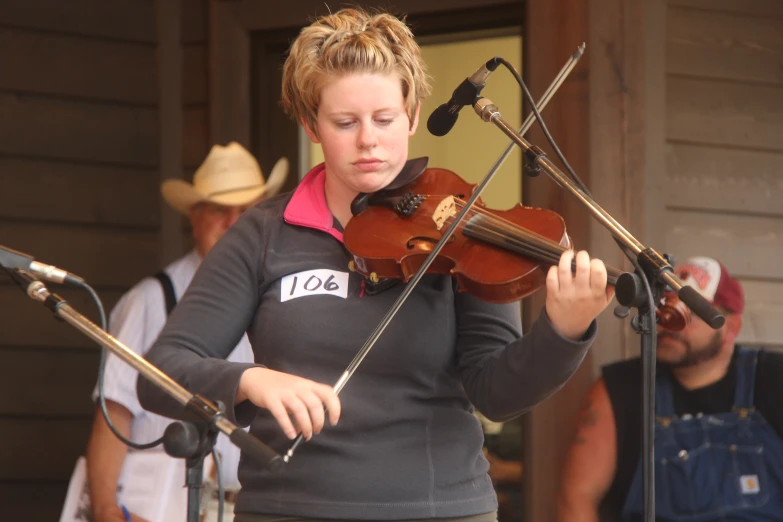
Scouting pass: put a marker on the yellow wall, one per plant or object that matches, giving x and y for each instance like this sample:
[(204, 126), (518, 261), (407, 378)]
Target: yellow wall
[(472, 146)]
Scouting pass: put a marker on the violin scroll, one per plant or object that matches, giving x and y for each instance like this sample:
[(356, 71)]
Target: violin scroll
[(672, 313)]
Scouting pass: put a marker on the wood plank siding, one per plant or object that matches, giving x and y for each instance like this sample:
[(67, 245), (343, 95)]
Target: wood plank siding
[(79, 156), (724, 147)]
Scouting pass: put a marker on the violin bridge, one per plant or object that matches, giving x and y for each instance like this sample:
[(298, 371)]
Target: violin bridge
[(446, 208)]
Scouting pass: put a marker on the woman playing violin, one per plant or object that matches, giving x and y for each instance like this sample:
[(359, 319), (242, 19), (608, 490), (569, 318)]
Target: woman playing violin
[(400, 442)]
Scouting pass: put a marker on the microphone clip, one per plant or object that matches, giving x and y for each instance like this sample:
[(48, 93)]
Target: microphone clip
[(466, 93), (531, 165), (469, 90)]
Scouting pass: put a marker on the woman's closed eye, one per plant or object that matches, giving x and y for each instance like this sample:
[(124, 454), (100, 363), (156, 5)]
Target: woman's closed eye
[(379, 121)]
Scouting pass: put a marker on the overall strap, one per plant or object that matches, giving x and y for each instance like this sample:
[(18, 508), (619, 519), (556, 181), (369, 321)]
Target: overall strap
[(168, 290), (746, 379), (664, 396)]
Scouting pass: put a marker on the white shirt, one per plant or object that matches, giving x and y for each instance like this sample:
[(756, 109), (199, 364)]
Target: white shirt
[(137, 321)]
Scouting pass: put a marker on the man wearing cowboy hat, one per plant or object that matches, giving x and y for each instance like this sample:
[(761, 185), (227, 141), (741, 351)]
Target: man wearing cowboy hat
[(225, 185)]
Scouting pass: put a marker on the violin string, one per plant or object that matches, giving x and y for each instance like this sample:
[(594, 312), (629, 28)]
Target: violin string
[(511, 227), (508, 233), (505, 240), (532, 250), (518, 237), (539, 250), (514, 230), (526, 249)]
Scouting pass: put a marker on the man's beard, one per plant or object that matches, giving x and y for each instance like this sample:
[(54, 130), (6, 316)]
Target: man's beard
[(692, 356)]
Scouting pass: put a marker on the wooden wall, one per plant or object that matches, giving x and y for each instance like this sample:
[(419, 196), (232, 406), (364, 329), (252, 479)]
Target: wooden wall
[(190, 118), (548, 426), (195, 92), (79, 182), (723, 182)]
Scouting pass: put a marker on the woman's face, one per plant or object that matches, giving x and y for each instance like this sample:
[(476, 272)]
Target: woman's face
[(363, 128)]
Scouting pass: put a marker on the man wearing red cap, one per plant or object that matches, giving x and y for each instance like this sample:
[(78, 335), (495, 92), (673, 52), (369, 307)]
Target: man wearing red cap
[(718, 433)]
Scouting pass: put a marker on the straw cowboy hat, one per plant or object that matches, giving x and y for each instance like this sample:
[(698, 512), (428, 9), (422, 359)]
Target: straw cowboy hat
[(229, 176)]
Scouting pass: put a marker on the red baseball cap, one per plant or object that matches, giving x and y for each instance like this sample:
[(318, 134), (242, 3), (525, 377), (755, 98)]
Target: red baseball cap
[(711, 279)]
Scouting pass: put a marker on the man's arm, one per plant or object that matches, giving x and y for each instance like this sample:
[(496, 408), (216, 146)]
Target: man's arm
[(105, 456), (503, 471), (591, 460)]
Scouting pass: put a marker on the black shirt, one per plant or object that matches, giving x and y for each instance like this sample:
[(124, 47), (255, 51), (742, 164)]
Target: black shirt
[(623, 384)]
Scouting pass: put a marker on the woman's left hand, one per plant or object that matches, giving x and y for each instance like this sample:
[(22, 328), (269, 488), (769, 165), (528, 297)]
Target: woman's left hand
[(574, 300)]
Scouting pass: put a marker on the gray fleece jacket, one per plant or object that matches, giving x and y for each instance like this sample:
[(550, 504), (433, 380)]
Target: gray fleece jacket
[(407, 445)]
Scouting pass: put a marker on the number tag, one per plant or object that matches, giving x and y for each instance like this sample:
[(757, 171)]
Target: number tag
[(314, 282)]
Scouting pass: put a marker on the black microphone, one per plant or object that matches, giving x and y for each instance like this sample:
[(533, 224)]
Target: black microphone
[(444, 117), (12, 259)]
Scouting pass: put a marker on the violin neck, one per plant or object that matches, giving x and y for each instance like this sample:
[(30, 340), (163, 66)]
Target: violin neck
[(523, 242)]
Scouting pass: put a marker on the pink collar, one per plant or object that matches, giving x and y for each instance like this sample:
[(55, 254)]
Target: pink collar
[(307, 207)]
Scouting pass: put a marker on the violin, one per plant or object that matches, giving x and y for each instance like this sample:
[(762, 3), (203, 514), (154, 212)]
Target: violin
[(499, 256)]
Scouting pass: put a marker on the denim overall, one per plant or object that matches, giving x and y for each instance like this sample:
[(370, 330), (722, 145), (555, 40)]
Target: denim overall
[(726, 466)]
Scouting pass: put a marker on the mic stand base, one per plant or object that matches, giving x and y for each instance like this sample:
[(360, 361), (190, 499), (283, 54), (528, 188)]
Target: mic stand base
[(194, 474), (192, 441)]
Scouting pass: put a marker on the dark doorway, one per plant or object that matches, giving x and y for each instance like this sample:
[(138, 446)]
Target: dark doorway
[(273, 134)]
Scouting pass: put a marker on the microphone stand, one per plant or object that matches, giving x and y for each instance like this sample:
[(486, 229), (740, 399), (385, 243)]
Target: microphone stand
[(641, 291), (189, 440)]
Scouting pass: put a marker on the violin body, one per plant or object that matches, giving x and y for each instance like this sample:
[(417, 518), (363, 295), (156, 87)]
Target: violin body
[(395, 233)]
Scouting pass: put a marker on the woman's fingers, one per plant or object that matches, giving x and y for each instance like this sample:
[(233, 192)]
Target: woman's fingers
[(315, 409), (598, 277), (280, 413), (330, 401), (301, 415), (298, 404), (564, 274), (582, 277)]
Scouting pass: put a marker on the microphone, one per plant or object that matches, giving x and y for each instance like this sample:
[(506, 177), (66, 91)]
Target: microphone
[(11, 259), (444, 117)]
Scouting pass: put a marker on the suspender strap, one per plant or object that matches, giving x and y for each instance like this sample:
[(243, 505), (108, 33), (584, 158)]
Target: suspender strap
[(664, 396), (168, 291), (746, 379)]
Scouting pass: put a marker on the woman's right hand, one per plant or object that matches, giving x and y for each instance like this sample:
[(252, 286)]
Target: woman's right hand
[(288, 398)]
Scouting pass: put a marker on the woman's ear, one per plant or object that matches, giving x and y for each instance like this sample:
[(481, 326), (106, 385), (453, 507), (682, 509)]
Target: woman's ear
[(310, 133), (415, 122)]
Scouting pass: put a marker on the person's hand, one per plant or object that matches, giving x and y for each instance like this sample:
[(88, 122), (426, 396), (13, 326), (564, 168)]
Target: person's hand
[(287, 396), (114, 513), (574, 300)]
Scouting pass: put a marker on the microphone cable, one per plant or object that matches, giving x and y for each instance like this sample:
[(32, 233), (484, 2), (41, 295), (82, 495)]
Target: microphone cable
[(107, 416)]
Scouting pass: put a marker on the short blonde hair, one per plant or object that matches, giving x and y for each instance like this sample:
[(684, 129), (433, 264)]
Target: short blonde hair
[(349, 41)]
